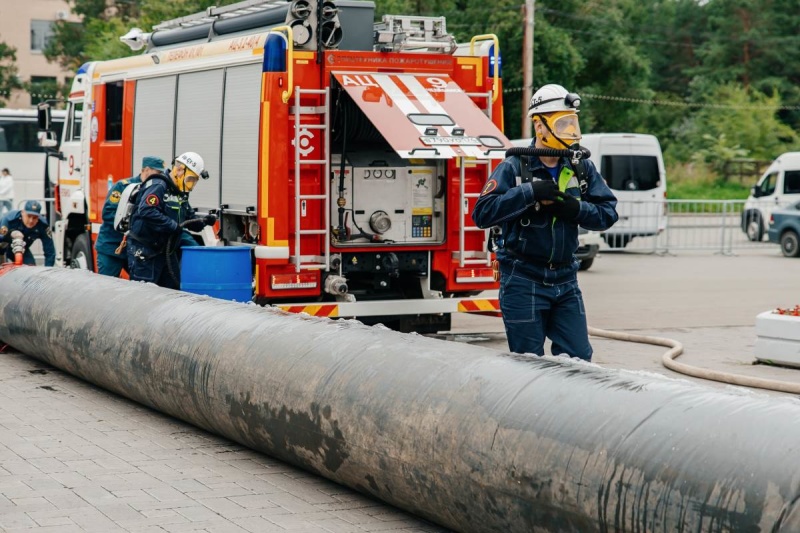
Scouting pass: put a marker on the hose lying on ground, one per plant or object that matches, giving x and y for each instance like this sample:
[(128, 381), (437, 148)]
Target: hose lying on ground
[(676, 349)]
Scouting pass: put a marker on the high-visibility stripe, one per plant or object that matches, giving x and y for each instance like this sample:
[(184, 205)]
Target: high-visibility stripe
[(406, 105), (313, 310), (429, 103), (477, 306)]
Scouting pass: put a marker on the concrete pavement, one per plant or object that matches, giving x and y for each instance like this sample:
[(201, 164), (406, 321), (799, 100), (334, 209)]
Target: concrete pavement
[(75, 458)]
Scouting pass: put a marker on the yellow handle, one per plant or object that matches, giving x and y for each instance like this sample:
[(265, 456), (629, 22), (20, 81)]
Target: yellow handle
[(489, 37), (289, 60)]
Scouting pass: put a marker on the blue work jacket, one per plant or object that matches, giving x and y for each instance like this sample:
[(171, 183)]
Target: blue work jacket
[(12, 221), (160, 209), (108, 238), (533, 236)]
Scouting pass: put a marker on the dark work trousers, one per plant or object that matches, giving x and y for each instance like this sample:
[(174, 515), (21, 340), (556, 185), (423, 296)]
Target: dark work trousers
[(146, 264), (533, 310)]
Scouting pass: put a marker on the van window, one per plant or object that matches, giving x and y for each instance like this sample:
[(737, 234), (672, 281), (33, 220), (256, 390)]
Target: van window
[(630, 172), (791, 182), (767, 185)]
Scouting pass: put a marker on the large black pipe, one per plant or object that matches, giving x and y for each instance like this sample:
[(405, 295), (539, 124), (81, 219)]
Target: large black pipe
[(470, 438)]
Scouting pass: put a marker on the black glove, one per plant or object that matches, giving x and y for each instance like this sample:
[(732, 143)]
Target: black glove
[(209, 220), (193, 224), (544, 190), (566, 207)]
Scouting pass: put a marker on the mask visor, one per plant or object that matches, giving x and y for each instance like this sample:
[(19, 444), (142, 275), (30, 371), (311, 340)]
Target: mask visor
[(566, 127)]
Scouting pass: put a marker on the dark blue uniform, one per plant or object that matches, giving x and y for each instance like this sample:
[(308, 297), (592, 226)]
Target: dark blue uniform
[(539, 293), (155, 237), (12, 221), (109, 262)]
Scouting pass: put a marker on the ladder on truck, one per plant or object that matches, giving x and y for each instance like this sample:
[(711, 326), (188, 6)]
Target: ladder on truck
[(312, 262), (483, 257)]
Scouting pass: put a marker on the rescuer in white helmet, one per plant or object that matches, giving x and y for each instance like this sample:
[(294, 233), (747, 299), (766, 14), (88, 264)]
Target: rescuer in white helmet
[(161, 221), (554, 112), (187, 171), (539, 199)]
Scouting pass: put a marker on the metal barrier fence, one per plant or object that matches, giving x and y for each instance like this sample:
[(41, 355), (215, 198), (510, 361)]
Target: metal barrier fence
[(674, 225)]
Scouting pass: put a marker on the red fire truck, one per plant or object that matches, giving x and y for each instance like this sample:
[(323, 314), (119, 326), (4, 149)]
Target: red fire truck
[(346, 154)]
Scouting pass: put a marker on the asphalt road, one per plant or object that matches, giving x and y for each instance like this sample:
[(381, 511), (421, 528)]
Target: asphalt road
[(706, 301)]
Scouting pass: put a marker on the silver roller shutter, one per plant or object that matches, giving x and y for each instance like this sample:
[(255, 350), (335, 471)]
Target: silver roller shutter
[(198, 125), (240, 136), (153, 120)]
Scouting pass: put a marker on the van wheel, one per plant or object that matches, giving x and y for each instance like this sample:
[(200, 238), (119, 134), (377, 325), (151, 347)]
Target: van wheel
[(586, 264), (754, 228), (81, 253), (790, 244)]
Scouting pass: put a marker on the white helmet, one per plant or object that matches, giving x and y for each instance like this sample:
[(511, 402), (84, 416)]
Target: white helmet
[(192, 161), (553, 98)]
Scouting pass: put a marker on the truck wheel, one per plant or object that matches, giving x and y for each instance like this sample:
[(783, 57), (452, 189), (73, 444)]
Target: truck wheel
[(790, 244), (754, 228), (586, 264), (82, 253)]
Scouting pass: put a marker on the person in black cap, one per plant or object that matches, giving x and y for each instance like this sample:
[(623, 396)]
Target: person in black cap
[(111, 259), (33, 226)]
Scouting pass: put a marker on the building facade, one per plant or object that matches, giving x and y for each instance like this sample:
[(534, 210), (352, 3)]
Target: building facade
[(26, 25)]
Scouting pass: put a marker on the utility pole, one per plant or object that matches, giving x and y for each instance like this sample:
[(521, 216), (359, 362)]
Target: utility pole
[(527, 67)]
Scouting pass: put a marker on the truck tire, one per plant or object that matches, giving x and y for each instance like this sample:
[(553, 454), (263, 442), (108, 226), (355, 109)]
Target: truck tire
[(586, 264), (754, 228), (81, 256), (790, 244)]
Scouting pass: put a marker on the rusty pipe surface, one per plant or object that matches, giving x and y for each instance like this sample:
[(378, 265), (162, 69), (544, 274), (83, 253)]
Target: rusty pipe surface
[(470, 438)]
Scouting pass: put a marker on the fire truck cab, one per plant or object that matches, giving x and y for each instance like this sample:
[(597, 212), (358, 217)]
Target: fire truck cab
[(346, 154)]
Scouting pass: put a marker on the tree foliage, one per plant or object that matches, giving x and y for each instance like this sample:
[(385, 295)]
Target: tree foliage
[(8, 71), (718, 74)]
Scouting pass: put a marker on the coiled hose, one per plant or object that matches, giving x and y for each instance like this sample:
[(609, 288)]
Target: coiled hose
[(676, 349)]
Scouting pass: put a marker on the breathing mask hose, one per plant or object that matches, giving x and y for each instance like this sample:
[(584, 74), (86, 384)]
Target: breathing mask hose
[(575, 152), (173, 244)]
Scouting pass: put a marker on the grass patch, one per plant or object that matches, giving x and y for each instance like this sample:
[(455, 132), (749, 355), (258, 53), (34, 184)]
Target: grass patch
[(697, 182)]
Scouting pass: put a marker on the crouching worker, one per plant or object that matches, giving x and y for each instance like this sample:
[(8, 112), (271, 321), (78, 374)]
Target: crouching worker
[(161, 220), (33, 226)]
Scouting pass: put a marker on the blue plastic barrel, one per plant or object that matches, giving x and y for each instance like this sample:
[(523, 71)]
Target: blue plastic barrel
[(220, 271)]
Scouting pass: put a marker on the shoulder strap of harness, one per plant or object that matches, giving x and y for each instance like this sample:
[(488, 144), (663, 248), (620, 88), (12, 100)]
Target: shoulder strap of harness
[(579, 168), (524, 172)]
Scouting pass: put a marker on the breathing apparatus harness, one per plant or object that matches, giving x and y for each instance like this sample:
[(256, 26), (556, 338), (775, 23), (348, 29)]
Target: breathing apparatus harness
[(576, 154)]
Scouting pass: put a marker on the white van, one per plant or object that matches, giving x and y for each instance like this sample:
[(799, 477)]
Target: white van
[(777, 188), (633, 166)]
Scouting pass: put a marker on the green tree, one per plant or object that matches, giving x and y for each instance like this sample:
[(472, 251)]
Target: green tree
[(96, 37), (8, 72), (734, 122)]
